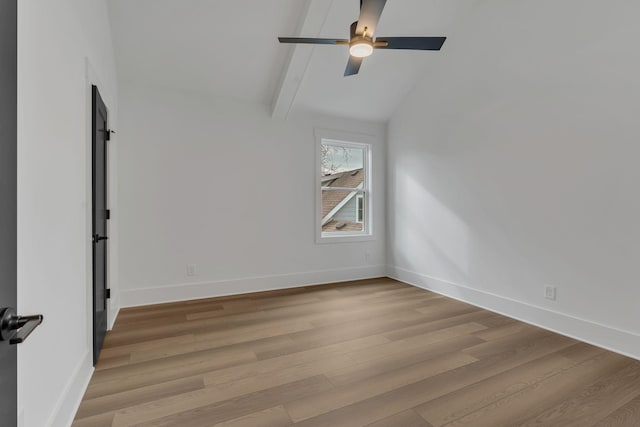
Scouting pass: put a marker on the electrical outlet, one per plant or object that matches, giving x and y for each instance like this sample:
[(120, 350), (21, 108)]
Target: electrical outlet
[(550, 292), (191, 269)]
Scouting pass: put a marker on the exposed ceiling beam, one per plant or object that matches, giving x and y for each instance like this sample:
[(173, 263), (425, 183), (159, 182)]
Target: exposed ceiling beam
[(299, 58)]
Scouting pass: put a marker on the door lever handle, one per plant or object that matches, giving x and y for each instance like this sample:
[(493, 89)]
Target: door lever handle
[(16, 328), (98, 237)]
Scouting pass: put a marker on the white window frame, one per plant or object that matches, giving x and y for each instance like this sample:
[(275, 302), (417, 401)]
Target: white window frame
[(350, 140)]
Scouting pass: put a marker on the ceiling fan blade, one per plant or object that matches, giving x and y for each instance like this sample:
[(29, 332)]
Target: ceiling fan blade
[(311, 40), (414, 43), (370, 11), (353, 66)]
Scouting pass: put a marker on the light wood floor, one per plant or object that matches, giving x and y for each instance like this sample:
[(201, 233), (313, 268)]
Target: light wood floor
[(373, 353)]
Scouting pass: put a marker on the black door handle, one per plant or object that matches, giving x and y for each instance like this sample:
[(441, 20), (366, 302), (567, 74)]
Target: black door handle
[(98, 237), (16, 328)]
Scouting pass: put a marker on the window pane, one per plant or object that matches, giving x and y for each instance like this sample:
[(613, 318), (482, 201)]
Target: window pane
[(342, 211), (342, 166), (347, 179)]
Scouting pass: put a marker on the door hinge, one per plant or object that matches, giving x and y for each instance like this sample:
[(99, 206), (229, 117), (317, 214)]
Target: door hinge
[(107, 293), (107, 214)]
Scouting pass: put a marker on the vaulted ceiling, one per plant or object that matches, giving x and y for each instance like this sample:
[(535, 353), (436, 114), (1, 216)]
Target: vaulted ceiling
[(229, 49)]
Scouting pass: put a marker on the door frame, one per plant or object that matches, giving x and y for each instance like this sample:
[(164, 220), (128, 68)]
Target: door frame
[(113, 306)]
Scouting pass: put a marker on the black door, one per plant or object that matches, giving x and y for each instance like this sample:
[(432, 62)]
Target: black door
[(14, 329), (100, 216), (8, 125)]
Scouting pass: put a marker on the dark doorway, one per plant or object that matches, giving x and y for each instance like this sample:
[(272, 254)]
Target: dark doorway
[(100, 217), (8, 188)]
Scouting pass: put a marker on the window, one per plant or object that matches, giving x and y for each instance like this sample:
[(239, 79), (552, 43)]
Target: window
[(343, 187)]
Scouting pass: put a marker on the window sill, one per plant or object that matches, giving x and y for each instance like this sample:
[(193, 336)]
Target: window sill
[(344, 238)]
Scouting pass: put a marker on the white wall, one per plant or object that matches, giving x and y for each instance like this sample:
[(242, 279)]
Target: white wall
[(63, 47), (221, 185), (514, 164)]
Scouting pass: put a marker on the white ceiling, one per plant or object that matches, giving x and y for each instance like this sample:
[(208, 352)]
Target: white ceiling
[(229, 48)]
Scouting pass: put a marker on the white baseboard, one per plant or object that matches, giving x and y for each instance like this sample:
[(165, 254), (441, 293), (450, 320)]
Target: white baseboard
[(189, 291), (608, 337), (70, 398)]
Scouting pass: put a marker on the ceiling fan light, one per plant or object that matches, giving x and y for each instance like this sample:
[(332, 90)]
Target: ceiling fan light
[(361, 49)]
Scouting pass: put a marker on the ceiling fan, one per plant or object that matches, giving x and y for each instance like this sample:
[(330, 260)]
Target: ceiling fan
[(361, 42)]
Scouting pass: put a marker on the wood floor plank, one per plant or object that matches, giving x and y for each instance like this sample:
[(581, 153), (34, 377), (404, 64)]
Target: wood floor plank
[(628, 415), (261, 340), (279, 363), (496, 319), (209, 358), (238, 334), (409, 356), (243, 306), (403, 419), (421, 341), (190, 414), (579, 352), (374, 353), (297, 372), (321, 403), (446, 307), (112, 362), (503, 331), (404, 398), (593, 402), (327, 335), (127, 349), (517, 407), (272, 417), (445, 321), (125, 399), (518, 342), (101, 420), (168, 371), (377, 307), (476, 396)]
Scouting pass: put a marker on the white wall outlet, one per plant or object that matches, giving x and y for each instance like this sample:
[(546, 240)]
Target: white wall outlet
[(550, 292), (191, 269)]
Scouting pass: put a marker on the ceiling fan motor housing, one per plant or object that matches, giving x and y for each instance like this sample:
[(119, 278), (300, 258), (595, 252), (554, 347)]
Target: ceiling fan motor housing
[(360, 45)]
